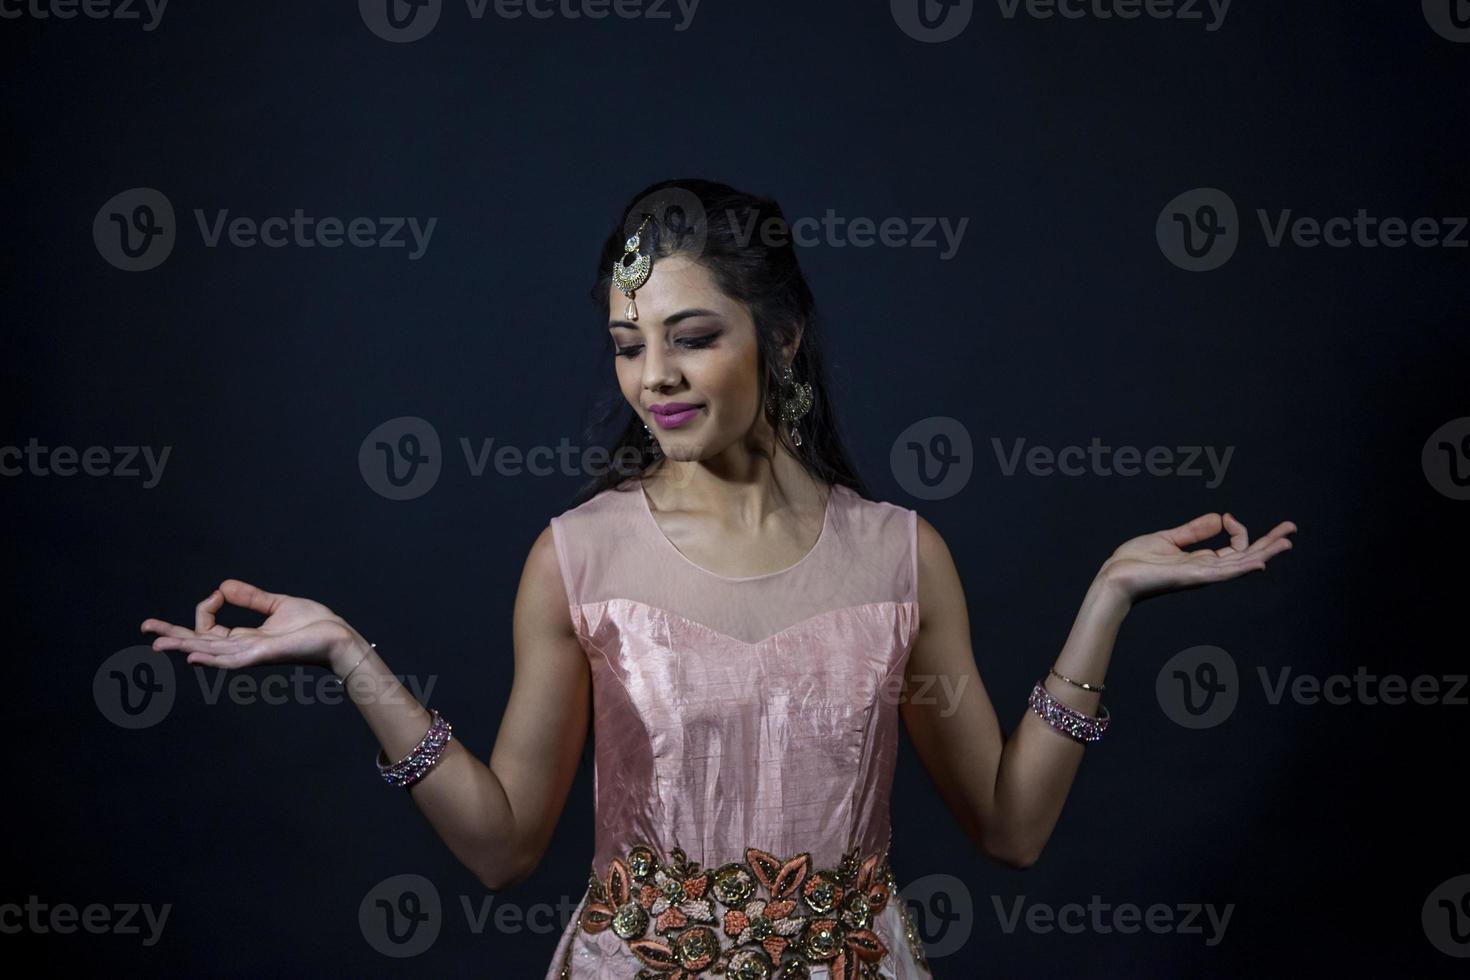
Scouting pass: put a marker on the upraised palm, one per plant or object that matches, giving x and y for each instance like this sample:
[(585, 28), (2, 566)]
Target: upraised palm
[(1152, 564), (295, 630)]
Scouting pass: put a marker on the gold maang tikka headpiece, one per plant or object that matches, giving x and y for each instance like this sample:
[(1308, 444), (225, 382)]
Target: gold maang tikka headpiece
[(631, 271)]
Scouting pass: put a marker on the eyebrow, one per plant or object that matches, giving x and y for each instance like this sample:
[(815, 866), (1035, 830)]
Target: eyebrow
[(669, 320)]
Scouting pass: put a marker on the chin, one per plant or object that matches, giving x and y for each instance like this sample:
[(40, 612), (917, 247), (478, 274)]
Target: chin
[(683, 453)]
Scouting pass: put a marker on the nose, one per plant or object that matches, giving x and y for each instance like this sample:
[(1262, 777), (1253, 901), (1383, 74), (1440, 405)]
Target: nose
[(658, 370)]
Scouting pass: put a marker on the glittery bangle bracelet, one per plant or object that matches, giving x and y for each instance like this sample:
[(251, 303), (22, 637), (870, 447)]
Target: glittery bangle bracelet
[(1067, 719), (414, 766)]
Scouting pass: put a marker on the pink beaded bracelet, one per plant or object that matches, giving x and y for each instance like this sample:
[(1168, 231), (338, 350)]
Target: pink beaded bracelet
[(414, 766), (1067, 719)]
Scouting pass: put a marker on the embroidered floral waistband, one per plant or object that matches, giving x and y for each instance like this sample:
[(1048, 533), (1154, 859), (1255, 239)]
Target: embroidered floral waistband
[(763, 918)]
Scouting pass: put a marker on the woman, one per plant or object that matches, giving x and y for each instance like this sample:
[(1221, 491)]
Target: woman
[(744, 629)]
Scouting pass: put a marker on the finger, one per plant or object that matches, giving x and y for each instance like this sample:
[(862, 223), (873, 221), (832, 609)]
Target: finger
[(1280, 531), (244, 594), (1273, 549), (173, 639), (174, 642), (1193, 532), (1240, 538), (204, 612), (163, 628)]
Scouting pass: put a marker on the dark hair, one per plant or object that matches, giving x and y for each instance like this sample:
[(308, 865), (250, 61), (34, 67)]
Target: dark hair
[(722, 228)]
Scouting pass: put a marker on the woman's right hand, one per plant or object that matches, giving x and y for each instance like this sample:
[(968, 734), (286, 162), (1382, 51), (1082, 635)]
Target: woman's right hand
[(296, 631)]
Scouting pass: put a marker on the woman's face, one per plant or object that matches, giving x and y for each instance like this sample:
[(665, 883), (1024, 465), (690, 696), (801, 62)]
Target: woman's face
[(691, 346)]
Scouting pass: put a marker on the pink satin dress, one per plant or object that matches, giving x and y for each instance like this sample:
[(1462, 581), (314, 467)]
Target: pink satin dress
[(745, 735)]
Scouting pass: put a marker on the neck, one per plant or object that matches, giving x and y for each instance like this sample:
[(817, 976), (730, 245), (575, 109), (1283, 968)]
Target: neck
[(741, 486)]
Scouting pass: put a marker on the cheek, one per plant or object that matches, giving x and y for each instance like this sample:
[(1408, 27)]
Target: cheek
[(731, 385), (628, 378)]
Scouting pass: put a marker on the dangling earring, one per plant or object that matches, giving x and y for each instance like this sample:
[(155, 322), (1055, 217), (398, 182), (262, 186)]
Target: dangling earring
[(795, 401), (650, 444)]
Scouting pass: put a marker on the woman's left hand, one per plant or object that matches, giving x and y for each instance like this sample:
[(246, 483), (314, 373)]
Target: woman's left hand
[(1152, 564)]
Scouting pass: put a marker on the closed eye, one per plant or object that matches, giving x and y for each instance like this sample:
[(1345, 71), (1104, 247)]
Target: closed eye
[(690, 343)]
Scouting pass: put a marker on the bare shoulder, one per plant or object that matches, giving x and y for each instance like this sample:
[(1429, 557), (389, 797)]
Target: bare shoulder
[(542, 600), (934, 555), (941, 595)]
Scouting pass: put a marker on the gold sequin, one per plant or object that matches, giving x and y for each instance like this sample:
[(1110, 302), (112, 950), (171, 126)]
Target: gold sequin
[(910, 932)]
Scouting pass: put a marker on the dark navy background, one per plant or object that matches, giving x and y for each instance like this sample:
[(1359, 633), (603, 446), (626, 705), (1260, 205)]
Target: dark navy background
[(1059, 319)]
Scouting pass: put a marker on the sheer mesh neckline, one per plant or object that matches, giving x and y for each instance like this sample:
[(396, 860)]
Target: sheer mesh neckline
[(822, 536)]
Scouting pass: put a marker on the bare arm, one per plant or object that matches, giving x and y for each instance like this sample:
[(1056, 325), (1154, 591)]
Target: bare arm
[(497, 818), (1008, 794)]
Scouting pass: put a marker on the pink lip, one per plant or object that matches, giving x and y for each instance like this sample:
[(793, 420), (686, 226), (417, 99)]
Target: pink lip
[(670, 415)]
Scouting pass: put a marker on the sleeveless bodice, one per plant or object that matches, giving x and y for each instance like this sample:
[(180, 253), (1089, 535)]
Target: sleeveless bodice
[(745, 735)]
